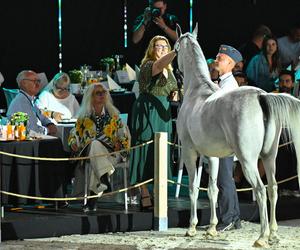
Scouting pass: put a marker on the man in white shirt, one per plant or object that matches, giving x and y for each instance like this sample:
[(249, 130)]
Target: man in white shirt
[(289, 47), (228, 204)]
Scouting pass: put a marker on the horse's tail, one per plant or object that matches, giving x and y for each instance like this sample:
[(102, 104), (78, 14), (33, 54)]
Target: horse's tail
[(284, 109)]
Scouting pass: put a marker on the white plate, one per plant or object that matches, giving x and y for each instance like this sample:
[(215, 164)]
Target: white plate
[(118, 90), (73, 120)]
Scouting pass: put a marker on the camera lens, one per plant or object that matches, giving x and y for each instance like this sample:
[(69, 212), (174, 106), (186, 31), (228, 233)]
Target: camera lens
[(155, 12)]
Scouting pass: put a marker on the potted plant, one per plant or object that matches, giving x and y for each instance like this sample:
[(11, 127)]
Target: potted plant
[(76, 76), (107, 64), (18, 118), (76, 79)]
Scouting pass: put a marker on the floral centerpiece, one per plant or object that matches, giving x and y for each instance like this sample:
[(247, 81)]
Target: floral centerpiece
[(18, 118)]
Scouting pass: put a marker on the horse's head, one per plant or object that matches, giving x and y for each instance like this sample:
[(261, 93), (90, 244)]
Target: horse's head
[(182, 43)]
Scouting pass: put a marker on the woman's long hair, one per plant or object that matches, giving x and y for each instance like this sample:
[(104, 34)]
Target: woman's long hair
[(87, 109), (276, 66), (150, 55)]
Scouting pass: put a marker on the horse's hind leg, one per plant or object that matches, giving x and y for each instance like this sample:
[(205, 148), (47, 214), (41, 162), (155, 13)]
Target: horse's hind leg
[(252, 175), (189, 158), (269, 165)]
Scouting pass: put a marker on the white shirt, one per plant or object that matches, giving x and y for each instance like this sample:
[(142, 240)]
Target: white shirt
[(68, 106), (228, 82), (289, 51)]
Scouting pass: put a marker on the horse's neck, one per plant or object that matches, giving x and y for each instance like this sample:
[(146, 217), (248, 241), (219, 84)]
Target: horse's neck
[(197, 81)]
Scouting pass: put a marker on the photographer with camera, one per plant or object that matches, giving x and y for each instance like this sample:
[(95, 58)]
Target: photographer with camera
[(154, 21)]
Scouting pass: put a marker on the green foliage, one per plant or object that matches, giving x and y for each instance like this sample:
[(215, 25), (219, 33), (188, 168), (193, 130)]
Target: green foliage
[(107, 61), (19, 117), (76, 76)]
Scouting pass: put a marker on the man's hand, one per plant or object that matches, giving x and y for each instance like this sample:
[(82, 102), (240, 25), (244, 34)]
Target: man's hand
[(52, 130), (147, 16), (159, 21)]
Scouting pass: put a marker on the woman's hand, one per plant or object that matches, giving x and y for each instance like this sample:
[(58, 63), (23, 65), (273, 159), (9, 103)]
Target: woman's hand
[(74, 147), (117, 146), (56, 116)]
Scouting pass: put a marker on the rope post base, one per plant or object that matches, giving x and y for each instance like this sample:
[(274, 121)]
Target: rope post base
[(161, 181)]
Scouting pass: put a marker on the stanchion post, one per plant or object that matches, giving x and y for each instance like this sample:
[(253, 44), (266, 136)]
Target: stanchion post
[(161, 181)]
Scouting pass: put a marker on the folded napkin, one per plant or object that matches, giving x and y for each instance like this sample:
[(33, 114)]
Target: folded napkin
[(131, 73), (112, 84)]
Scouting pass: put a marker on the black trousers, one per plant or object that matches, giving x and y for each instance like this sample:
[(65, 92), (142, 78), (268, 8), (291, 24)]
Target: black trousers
[(228, 203)]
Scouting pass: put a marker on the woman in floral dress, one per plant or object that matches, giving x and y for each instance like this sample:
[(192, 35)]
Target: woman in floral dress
[(98, 130)]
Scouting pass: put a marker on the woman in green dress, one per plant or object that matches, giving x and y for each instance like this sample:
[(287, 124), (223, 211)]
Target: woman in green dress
[(151, 111)]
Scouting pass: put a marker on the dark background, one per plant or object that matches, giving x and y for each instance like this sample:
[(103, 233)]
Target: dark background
[(92, 29)]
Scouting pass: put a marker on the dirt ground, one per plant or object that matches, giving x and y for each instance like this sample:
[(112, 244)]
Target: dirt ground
[(173, 238)]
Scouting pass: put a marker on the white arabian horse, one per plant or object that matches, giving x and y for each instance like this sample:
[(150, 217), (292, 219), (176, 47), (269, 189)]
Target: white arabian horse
[(246, 122)]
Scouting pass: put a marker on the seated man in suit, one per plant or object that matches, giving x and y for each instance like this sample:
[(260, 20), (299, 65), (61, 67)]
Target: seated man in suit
[(29, 84)]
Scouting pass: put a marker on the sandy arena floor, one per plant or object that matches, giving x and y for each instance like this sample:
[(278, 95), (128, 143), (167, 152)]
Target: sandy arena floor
[(289, 232)]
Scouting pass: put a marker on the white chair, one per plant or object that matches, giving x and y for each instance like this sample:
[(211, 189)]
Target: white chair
[(124, 166), (1, 78)]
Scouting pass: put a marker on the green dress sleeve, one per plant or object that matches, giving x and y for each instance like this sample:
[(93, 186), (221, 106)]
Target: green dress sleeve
[(157, 85)]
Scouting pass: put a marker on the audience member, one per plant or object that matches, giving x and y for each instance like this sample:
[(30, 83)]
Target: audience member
[(238, 67), (57, 97), (253, 47), (29, 85), (94, 135), (214, 74), (263, 69), (151, 111), (289, 47), (286, 81), (154, 21), (241, 78), (228, 204)]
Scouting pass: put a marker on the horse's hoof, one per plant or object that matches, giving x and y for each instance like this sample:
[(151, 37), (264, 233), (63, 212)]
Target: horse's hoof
[(273, 239), (211, 232), (190, 232), (260, 243)]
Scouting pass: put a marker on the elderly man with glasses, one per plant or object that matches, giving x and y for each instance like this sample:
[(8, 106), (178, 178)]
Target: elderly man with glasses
[(29, 84)]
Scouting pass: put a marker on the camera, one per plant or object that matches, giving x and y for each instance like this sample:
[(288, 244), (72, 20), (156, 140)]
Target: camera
[(155, 12)]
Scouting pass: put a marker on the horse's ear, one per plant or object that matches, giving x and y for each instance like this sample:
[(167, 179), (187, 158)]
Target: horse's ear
[(178, 30), (195, 31)]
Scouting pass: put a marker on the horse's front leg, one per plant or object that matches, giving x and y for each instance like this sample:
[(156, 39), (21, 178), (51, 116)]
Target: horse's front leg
[(213, 194), (190, 157)]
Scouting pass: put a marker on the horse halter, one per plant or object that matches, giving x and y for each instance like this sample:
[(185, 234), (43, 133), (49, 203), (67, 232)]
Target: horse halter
[(179, 73)]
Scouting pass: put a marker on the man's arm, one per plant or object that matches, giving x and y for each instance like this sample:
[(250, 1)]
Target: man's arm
[(139, 27), (160, 22)]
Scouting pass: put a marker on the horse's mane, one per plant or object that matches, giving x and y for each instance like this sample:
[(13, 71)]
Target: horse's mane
[(201, 72)]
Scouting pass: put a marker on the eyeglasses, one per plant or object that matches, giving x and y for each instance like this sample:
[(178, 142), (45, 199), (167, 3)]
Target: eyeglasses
[(163, 47), (100, 93), (35, 81), (62, 89)]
